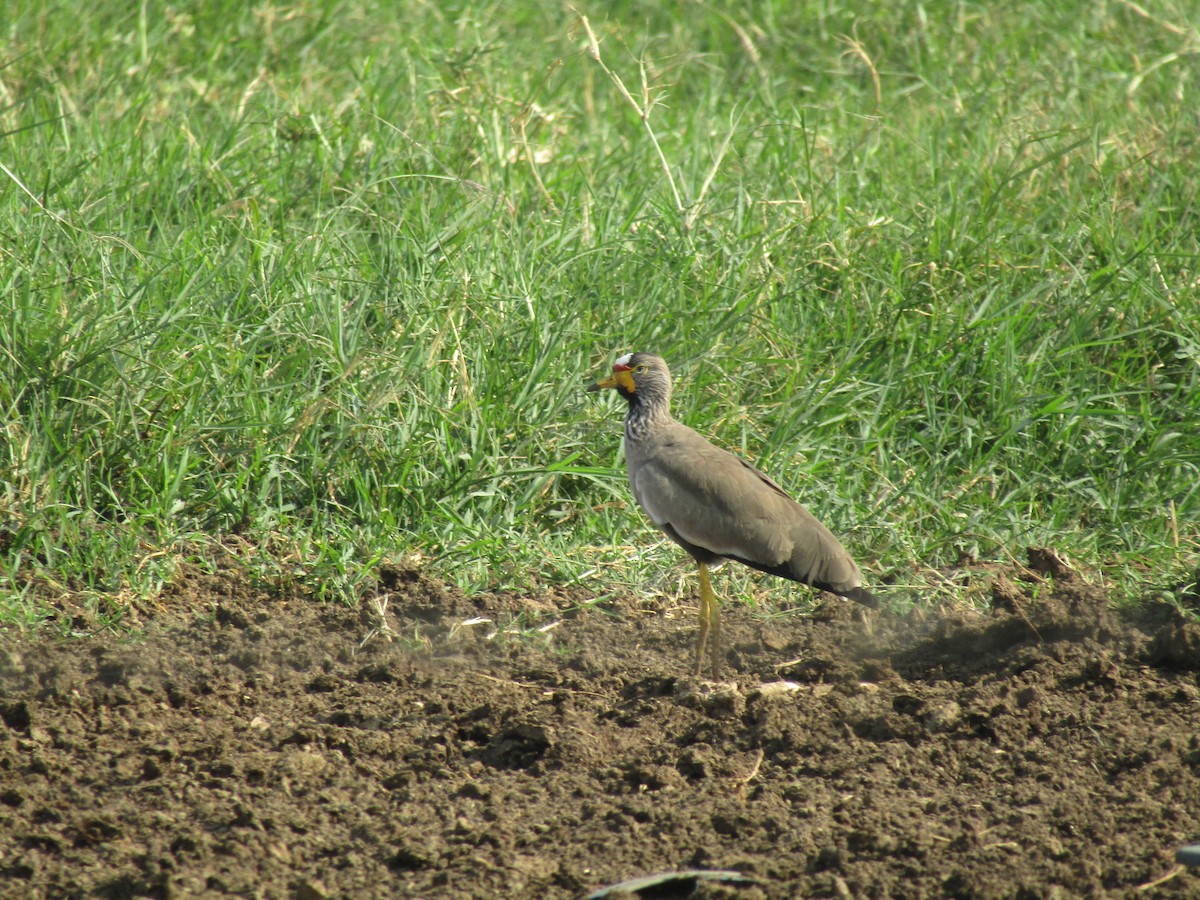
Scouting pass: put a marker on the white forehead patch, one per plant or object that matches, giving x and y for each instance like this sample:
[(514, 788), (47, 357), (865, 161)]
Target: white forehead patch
[(624, 360)]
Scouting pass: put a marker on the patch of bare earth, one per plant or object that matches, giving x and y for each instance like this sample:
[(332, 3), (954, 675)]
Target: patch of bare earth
[(286, 748)]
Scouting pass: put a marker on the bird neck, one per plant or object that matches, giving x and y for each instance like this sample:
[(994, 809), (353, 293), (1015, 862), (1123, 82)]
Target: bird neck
[(645, 414)]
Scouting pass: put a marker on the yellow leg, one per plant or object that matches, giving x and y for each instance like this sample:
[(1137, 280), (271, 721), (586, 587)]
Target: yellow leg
[(710, 625), (702, 639), (714, 639)]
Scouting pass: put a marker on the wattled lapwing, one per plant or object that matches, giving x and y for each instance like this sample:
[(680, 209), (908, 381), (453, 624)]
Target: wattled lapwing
[(716, 505)]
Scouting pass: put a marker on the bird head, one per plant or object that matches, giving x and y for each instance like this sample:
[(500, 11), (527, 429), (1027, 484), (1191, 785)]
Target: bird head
[(637, 374)]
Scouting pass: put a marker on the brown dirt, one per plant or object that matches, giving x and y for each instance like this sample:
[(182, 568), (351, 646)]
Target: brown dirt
[(284, 748)]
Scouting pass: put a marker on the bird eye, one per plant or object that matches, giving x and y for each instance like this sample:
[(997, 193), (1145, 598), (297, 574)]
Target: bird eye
[(640, 370)]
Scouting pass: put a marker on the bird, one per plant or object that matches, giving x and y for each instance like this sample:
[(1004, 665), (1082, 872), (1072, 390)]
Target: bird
[(717, 506)]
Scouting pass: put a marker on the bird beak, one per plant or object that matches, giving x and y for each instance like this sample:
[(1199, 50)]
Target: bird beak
[(619, 378)]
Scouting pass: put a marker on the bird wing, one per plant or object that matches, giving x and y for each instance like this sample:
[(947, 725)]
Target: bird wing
[(719, 502)]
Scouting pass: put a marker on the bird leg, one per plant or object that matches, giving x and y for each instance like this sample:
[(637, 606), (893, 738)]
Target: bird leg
[(702, 639), (710, 624)]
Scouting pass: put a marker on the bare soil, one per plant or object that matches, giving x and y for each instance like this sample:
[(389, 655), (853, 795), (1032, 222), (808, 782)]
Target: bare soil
[(286, 748)]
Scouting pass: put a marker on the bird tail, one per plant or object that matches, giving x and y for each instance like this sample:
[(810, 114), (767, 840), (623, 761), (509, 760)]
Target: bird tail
[(861, 595)]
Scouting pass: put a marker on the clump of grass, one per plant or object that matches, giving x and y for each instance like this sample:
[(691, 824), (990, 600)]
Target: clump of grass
[(334, 280)]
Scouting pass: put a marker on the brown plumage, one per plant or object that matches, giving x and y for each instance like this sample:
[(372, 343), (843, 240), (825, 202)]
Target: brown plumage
[(716, 505)]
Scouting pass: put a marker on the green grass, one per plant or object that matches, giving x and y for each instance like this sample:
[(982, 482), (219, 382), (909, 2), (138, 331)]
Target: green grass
[(332, 277)]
